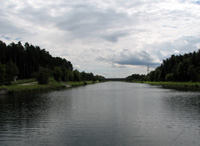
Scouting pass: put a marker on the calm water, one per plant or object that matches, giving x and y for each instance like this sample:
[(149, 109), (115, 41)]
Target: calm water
[(104, 114)]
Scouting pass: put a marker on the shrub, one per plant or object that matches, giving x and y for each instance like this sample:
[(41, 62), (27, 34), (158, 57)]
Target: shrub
[(57, 73), (42, 76)]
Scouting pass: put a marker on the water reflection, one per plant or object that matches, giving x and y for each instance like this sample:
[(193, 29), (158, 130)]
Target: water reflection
[(109, 114), (24, 116)]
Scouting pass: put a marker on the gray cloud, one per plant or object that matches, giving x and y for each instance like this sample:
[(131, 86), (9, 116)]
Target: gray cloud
[(8, 27), (157, 52), (181, 45), (89, 21), (136, 58), (81, 20), (151, 30)]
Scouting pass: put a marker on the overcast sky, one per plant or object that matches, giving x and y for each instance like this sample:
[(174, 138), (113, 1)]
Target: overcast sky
[(113, 38)]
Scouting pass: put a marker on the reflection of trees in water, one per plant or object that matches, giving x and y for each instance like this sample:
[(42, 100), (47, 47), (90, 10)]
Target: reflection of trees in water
[(31, 110), (181, 88), (188, 101), (184, 107)]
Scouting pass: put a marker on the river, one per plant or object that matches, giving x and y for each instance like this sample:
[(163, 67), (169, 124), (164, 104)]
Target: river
[(103, 114)]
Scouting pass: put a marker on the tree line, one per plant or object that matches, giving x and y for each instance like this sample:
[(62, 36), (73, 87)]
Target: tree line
[(27, 61), (181, 68), (135, 77)]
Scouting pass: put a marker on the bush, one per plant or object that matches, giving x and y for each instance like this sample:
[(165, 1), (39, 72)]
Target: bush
[(42, 76), (11, 71), (57, 73), (2, 74), (169, 77), (77, 75)]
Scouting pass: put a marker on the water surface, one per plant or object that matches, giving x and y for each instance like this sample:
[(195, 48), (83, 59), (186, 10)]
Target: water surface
[(104, 114)]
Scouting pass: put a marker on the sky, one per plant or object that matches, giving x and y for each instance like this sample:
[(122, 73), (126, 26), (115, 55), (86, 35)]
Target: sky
[(113, 38)]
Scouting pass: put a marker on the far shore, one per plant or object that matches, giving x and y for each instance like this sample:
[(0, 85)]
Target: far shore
[(193, 86)]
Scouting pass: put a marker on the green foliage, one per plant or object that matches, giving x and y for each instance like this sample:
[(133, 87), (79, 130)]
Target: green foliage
[(64, 74), (2, 74), (169, 77), (192, 73), (29, 58), (99, 78), (182, 68), (11, 71), (17, 89), (25, 81), (57, 73), (84, 76), (77, 75), (135, 77), (42, 76), (70, 76)]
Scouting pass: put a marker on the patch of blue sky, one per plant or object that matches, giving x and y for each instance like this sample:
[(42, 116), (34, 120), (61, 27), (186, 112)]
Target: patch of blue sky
[(6, 37), (192, 1), (197, 2), (10, 38)]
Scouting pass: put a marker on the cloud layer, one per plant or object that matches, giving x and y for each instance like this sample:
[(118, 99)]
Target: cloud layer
[(104, 36)]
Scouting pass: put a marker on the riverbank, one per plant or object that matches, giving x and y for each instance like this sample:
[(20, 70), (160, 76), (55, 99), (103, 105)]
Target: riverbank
[(81, 83), (177, 85), (32, 86)]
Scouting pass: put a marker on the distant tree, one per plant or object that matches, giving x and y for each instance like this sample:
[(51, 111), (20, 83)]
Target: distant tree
[(29, 58), (64, 74), (2, 74), (70, 75), (11, 71), (90, 77), (3, 52), (57, 73), (100, 78), (83, 76), (192, 73), (135, 77), (178, 68), (77, 75), (169, 77), (42, 76)]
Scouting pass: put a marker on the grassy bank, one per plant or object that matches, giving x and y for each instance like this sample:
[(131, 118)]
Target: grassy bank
[(30, 85), (178, 85), (25, 86), (81, 83)]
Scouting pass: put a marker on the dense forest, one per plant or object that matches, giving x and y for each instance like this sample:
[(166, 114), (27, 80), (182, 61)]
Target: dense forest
[(135, 77), (181, 68), (31, 61)]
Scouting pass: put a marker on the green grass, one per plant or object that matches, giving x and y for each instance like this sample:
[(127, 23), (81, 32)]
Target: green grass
[(19, 87), (174, 83), (188, 85), (23, 81), (81, 83)]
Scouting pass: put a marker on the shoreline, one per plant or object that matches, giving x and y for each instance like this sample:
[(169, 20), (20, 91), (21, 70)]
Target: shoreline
[(191, 86), (188, 86), (29, 87)]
